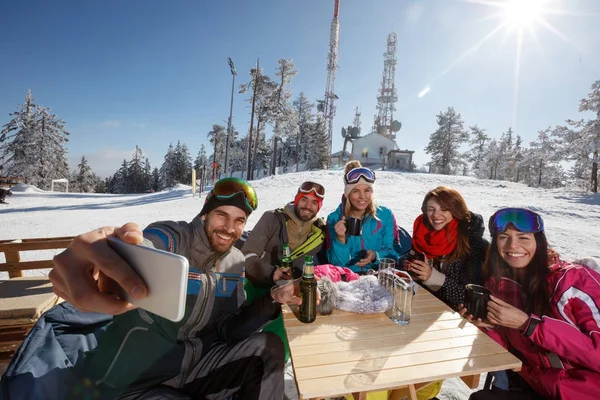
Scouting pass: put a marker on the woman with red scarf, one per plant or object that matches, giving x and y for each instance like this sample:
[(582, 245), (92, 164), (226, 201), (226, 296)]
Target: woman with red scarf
[(451, 239)]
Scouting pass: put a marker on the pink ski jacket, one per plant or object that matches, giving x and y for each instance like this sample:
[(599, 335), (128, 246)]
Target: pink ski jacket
[(560, 351)]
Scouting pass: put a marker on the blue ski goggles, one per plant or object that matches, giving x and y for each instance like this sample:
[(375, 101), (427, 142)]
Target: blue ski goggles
[(354, 175), (521, 219)]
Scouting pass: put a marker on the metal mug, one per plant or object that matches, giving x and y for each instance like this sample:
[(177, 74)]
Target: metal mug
[(353, 226)]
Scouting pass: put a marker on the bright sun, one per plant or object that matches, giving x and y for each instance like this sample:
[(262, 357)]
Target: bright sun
[(523, 13)]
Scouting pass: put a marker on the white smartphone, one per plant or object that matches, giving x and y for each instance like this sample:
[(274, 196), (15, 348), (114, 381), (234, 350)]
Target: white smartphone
[(164, 273)]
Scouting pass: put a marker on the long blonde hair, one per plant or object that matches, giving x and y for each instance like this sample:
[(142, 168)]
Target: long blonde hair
[(371, 208)]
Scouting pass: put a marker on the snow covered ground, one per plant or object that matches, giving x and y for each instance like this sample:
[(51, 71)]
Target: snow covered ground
[(572, 218)]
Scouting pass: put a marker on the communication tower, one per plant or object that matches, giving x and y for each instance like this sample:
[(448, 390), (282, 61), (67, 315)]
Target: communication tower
[(327, 105), (384, 120)]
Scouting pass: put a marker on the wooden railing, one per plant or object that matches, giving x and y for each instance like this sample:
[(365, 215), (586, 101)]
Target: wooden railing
[(9, 181), (15, 293), (12, 252)]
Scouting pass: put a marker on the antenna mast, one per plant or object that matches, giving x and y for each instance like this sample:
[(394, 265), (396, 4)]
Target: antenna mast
[(332, 64), (387, 96)]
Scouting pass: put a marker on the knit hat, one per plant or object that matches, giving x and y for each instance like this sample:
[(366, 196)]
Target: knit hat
[(300, 195), (237, 200), (350, 186)]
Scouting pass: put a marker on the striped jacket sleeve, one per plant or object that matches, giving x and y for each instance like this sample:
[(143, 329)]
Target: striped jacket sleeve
[(167, 235)]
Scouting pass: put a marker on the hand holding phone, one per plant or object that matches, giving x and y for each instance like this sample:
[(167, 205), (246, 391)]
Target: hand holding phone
[(93, 289), (412, 256), (164, 273), (415, 255)]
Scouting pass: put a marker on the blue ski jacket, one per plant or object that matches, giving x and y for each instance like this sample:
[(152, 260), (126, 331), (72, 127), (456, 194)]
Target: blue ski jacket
[(380, 235)]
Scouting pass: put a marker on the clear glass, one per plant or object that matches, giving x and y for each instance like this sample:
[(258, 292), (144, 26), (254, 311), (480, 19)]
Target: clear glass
[(402, 292), (386, 272), (402, 305)]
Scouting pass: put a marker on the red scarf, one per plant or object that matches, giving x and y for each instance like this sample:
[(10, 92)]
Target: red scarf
[(434, 243)]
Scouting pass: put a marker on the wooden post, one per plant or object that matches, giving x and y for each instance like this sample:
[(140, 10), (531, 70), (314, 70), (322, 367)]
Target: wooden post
[(412, 392), (472, 381), (13, 257)]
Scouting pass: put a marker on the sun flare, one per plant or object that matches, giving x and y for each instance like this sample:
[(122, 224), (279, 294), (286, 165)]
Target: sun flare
[(520, 19), (523, 13)]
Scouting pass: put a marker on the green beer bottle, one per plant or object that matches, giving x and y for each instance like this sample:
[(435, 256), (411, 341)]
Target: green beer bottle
[(286, 260), (308, 291)]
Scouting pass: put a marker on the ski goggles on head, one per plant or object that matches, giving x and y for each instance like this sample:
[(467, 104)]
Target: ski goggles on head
[(355, 174), (521, 219), (308, 187), (227, 188)]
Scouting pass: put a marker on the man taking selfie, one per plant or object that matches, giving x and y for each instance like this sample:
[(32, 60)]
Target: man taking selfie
[(213, 352)]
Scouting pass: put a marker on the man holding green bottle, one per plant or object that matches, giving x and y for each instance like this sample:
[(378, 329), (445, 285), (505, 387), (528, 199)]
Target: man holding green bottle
[(295, 225)]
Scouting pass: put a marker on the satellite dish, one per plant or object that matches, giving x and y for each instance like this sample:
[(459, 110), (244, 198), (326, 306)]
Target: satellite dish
[(396, 125), (344, 133), (354, 132)]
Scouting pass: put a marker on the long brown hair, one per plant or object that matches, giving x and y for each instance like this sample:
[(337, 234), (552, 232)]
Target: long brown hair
[(371, 209), (452, 201), (533, 280)]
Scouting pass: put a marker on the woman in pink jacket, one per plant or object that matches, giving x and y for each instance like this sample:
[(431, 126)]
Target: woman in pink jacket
[(544, 310)]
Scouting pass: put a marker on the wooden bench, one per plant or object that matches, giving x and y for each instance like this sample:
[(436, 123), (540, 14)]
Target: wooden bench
[(24, 299), (9, 181)]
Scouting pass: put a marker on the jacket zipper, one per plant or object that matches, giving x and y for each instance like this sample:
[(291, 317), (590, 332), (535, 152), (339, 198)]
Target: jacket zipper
[(195, 318), (300, 232)]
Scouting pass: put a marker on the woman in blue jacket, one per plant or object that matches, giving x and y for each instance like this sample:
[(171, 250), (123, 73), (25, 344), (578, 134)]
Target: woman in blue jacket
[(379, 232)]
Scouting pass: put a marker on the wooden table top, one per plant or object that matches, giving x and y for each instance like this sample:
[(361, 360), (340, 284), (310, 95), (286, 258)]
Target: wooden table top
[(347, 352)]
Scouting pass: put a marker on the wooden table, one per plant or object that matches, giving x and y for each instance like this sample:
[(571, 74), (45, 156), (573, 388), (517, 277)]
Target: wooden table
[(357, 353)]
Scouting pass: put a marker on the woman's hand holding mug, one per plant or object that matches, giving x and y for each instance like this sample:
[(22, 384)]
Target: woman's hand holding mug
[(340, 230)]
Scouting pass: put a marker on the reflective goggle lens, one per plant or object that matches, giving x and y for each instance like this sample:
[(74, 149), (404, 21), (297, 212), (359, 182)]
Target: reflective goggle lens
[(308, 187), (229, 187), (355, 174), (523, 220)]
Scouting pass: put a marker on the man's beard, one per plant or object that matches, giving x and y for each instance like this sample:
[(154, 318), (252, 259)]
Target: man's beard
[(217, 244), (302, 217)]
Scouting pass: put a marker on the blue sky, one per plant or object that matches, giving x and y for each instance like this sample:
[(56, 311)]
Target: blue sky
[(149, 72)]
